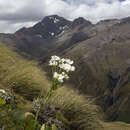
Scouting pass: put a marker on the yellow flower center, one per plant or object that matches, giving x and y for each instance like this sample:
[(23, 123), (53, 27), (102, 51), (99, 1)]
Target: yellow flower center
[(2, 101), (57, 77)]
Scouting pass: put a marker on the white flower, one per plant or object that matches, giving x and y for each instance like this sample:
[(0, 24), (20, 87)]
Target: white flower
[(69, 61), (61, 64), (2, 91), (62, 60), (53, 63), (72, 68), (65, 75), (55, 75), (55, 58), (59, 77), (66, 67)]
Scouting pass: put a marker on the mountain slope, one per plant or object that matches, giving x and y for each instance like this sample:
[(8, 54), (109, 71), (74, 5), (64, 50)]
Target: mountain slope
[(28, 81), (105, 68), (101, 52)]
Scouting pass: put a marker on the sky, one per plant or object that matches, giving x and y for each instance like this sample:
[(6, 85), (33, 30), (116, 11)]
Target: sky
[(15, 14)]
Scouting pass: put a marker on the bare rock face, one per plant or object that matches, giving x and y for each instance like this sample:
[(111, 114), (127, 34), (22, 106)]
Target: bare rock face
[(101, 53)]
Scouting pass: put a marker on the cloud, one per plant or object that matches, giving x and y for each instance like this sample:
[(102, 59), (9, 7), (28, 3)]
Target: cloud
[(8, 27), (17, 13)]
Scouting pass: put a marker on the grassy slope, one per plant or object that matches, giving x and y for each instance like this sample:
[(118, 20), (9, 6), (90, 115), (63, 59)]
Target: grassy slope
[(27, 80), (103, 67)]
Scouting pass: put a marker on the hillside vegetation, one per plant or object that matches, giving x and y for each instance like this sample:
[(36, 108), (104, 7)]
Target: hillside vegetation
[(27, 80)]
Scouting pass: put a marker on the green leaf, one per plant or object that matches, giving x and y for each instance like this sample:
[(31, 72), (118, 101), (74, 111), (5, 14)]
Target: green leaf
[(18, 115), (30, 124), (43, 127), (46, 127), (28, 116), (54, 127)]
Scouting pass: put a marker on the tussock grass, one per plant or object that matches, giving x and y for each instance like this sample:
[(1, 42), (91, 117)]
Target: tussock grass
[(24, 77), (81, 112)]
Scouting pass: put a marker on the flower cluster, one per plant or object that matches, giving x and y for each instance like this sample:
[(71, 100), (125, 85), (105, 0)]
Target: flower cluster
[(54, 60), (63, 67), (4, 96)]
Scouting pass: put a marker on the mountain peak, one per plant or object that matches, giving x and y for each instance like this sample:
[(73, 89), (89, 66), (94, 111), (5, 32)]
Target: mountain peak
[(55, 19), (79, 21), (49, 27)]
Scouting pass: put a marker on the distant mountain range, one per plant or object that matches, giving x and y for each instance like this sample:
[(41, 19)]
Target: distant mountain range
[(101, 53)]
